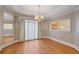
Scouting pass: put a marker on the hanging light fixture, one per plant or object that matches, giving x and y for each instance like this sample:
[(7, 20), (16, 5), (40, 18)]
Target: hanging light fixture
[(39, 18)]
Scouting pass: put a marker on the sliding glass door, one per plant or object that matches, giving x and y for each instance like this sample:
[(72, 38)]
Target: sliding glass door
[(31, 30)]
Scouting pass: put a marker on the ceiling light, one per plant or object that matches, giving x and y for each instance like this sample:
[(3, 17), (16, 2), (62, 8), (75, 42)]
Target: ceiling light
[(39, 17)]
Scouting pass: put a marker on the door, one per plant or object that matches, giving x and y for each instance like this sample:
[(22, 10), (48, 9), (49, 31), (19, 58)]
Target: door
[(31, 30)]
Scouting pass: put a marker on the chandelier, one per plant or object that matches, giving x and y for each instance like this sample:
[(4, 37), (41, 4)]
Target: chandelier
[(39, 17)]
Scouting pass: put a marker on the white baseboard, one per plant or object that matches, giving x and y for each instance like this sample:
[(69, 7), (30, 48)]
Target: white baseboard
[(64, 42), (6, 45)]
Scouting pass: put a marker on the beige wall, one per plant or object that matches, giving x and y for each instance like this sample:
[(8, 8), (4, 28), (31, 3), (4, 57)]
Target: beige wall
[(77, 28), (1, 26), (21, 35), (8, 35), (43, 29), (16, 26), (67, 36), (3, 41)]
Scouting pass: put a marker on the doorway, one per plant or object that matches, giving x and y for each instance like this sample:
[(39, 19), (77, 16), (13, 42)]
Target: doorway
[(31, 30)]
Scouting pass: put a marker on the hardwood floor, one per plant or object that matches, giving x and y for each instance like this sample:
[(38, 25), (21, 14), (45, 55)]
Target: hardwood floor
[(8, 39), (40, 46)]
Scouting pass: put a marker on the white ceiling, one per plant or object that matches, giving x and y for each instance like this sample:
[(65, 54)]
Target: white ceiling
[(45, 10)]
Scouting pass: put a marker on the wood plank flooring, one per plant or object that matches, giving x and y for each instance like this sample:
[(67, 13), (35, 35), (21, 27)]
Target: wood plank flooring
[(8, 39), (40, 46)]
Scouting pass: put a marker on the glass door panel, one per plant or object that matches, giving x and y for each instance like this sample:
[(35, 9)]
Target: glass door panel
[(31, 30), (26, 30)]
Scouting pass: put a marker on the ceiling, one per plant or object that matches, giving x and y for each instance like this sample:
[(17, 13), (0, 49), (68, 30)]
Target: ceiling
[(45, 10)]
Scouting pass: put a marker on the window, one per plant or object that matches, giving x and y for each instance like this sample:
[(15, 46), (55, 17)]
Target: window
[(8, 21), (8, 26)]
